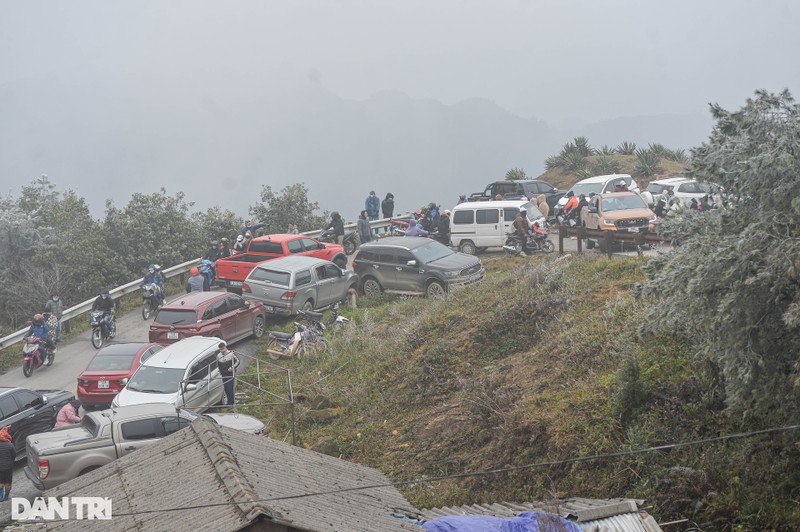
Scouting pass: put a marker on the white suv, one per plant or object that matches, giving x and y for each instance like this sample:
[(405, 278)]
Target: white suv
[(184, 374), (682, 188), (599, 185)]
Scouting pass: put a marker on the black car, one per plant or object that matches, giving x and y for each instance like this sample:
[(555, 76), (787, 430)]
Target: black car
[(27, 412), (521, 189)]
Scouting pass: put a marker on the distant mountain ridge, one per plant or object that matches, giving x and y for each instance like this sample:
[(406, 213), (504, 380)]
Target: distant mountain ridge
[(110, 137)]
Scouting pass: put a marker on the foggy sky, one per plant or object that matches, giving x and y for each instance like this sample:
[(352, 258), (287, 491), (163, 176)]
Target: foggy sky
[(569, 63)]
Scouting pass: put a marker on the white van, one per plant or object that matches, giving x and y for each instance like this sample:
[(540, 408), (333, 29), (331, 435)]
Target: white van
[(475, 226)]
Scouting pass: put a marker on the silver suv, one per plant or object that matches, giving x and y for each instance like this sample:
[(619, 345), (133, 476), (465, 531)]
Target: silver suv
[(414, 266)]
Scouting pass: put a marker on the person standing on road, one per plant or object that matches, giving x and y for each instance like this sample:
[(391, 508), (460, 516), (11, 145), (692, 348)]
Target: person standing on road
[(363, 228), (387, 205), (55, 307), (373, 207), (7, 457), (197, 282), (227, 364), (544, 208)]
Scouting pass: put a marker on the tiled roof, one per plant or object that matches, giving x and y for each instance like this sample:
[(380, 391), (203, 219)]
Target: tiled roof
[(224, 479)]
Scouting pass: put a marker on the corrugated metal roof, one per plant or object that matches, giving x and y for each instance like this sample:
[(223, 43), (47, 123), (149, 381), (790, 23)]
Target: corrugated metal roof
[(225, 479), (592, 515)]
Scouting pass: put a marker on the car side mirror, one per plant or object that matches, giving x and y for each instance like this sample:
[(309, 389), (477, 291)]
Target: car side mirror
[(321, 246), (412, 262), (189, 387), (39, 402)]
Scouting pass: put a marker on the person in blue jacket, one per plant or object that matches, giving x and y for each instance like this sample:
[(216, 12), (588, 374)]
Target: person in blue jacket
[(249, 226), (373, 207), (39, 329), (154, 277)]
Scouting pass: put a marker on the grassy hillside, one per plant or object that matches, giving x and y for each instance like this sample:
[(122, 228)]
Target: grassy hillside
[(562, 178), (542, 362)]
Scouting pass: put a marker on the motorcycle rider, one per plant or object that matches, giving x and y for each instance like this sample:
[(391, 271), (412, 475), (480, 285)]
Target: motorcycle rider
[(106, 304), (39, 329), (414, 229), (336, 225), (570, 209), (55, 307), (154, 277), (521, 227)]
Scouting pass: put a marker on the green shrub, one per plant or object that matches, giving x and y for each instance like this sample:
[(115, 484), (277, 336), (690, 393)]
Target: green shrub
[(626, 148), (647, 163), (605, 164), (553, 162), (605, 149), (582, 146), (574, 161)]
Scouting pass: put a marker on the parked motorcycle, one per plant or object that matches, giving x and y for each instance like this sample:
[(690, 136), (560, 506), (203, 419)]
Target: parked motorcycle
[(99, 332), (35, 354), (303, 342), (348, 242), (149, 299), (529, 244), (334, 323)]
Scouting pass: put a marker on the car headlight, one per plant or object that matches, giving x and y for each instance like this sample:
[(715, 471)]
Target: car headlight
[(454, 273), (606, 222), (653, 219)]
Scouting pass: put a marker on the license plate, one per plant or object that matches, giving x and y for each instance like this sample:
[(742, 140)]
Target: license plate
[(235, 283), (172, 336), (633, 229), (102, 384), (269, 308)]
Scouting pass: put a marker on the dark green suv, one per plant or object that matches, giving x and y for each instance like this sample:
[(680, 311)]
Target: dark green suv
[(414, 266)]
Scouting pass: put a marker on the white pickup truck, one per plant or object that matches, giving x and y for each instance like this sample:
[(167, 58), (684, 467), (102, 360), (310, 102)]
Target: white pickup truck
[(102, 437)]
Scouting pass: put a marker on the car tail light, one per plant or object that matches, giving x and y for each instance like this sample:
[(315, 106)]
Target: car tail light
[(354, 264), (245, 288), (288, 295), (44, 469), (83, 382)]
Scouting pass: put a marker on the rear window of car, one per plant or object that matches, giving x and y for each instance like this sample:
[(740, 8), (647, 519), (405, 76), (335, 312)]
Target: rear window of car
[(266, 247), (111, 363), (266, 275), (367, 255), (175, 317)]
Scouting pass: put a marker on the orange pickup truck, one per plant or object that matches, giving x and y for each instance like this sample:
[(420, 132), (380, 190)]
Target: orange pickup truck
[(618, 211), (232, 271)]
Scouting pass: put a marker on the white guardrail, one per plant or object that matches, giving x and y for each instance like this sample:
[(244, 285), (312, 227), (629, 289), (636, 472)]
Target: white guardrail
[(174, 271)]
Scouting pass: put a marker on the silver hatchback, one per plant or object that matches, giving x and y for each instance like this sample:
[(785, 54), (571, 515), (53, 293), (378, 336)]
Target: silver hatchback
[(289, 284)]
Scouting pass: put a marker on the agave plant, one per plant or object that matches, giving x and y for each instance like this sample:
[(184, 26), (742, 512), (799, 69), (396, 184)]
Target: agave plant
[(605, 149), (582, 145), (573, 161), (647, 163), (626, 148), (568, 148), (516, 173), (678, 155), (658, 149), (584, 173), (552, 162), (606, 164)]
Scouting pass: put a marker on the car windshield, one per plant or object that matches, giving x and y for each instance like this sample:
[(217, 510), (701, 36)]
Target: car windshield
[(622, 203), (149, 379), (270, 276), (432, 251), (111, 363), (587, 188), (167, 316)]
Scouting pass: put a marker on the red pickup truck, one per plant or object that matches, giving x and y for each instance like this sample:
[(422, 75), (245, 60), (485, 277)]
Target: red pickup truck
[(232, 271)]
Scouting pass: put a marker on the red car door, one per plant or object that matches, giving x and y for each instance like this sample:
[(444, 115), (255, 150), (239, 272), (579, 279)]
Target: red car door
[(241, 316)]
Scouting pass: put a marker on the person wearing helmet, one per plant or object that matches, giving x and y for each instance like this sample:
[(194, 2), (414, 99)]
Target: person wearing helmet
[(336, 225), (522, 229), (239, 245), (213, 252), (39, 329), (224, 248), (56, 308), (154, 277), (414, 229), (105, 303), (197, 282)]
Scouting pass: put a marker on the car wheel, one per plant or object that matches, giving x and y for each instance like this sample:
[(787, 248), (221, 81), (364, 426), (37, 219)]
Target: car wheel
[(371, 287), (468, 247), (341, 262), (308, 305), (589, 244), (258, 327), (435, 290)]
